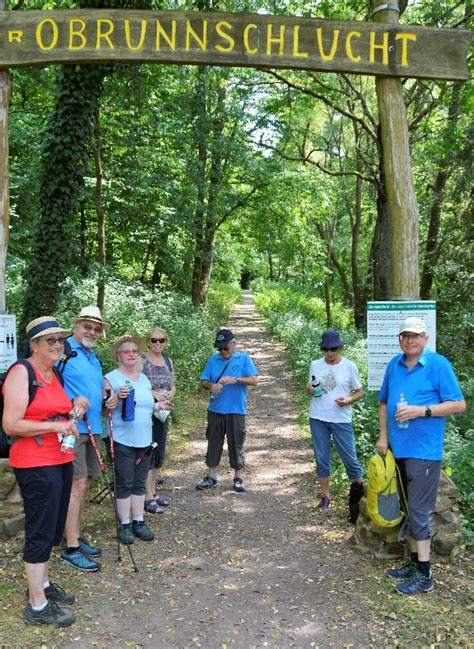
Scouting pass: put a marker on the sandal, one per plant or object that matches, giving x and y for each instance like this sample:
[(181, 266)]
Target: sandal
[(152, 507), (161, 501)]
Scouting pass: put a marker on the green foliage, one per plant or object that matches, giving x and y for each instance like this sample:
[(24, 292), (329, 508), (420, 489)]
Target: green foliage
[(459, 463)]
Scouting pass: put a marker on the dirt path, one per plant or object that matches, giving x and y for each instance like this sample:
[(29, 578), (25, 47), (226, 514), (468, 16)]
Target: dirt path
[(259, 569)]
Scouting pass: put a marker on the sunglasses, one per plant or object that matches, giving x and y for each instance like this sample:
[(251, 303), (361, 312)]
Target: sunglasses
[(224, 349), (89, 327), (53, 341), (158, 340), (329, 349)]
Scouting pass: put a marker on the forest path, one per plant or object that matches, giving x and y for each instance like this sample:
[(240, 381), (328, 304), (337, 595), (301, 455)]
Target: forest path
[(258, 569)]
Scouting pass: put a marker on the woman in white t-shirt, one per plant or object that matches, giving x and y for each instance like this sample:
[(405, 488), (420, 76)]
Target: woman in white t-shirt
[(334, 385)]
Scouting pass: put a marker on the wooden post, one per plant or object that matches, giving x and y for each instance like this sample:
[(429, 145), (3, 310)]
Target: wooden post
[(403, 207), (4, 180)]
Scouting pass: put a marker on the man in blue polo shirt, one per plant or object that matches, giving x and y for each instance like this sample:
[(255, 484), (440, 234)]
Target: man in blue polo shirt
[(82, 374), (414, 430), (226, 375)]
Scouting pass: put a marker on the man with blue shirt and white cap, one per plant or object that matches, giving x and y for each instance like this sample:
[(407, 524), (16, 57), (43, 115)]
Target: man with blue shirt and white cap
[(226, 375), (414, 432)]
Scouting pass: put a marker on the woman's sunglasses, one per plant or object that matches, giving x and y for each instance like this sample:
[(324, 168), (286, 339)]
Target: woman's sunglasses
[(158, 340), (329, 349)]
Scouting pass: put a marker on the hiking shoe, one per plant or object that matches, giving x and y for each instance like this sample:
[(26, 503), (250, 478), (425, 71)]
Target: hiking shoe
[(206, 483), (323, 504), (161, 501), (89, 549), (403, 571), (125, 534), (416, 585), (51, 614), (141, 529), (239, 484), (58, 595), (77, 559)]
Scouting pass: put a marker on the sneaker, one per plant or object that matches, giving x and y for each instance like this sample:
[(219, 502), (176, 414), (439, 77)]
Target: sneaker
[(404, 571), (416, 585), (125, 534), (89, 549), (206, 483), (323, 504), (58, 595), (239, 484), (142, 531), (51, 614), (77, 559)]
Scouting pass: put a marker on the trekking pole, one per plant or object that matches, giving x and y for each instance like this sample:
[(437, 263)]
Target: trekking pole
[(107, 484), (148, 451), (99, 497), (114, 479)]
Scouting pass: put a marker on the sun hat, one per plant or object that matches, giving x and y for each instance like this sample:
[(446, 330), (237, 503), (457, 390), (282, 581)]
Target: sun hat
[(331, 338), (413, 324), (44, 326), (223, 337), (127, 338), (93, 314)]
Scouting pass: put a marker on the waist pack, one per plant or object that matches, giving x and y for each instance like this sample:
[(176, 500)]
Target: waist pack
[(383, 503)]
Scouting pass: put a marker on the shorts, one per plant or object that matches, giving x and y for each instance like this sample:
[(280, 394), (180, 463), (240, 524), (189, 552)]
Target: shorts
[(130, 478), (160, 433), (420, 479), (220, 427), (45, 491), (85, 462)]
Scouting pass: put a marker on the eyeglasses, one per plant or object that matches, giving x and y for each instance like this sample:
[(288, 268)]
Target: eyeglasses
[(53, 341), (158, 340), (406, 335), (225, 349), (128, 351), (329, 349), (89, 327)]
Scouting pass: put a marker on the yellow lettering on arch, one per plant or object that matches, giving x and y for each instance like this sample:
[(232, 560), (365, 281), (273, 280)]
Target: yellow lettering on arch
[(296, 43), (405, 37), (335, 41), (373, 46), (77, 27), (248, 49), (190, 33), (15, 35), (350, 54), (160, 31), (278, 40), (54, 35), (128, 39), (104, 35), (227, 37)]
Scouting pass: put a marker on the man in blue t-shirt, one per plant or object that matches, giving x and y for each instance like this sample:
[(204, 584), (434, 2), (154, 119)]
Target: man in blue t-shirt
[(418, 391), (226, 375)]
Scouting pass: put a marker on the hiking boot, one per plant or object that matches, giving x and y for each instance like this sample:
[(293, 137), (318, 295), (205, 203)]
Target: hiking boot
[(51, 614), (416, 585), (323, 504), (125, 534), (89, 549), (142, 531), (239, 485), (206, 483), (403, 571), (77, 559), (58, 595)]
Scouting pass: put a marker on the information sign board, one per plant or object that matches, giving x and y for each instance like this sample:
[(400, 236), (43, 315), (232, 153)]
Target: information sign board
[(8, 353)]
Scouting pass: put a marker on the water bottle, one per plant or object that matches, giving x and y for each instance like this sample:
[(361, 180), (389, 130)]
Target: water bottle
[(317, 392), (69, 441), (400, 404), (128, 404)]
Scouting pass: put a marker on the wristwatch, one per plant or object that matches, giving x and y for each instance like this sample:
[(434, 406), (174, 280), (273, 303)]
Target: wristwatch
[(428, 412)]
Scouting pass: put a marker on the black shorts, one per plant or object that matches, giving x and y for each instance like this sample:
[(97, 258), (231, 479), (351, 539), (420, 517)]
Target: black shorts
[(45, 491), (130, 478), (220, 427), (160, 433), (420, 479)]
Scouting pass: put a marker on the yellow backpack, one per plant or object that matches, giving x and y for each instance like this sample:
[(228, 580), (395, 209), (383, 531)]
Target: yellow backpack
[(383, 503)]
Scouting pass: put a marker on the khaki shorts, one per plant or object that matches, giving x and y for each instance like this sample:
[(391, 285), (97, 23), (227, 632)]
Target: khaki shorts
[(85, 459)]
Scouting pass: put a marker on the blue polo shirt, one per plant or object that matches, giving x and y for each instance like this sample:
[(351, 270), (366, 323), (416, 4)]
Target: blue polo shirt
[(430, 381), (83, 377), (233, 398)]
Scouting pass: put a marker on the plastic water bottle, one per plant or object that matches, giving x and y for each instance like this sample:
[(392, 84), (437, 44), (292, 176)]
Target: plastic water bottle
[(128, 404), (69, 441), (317, 392), (400, 404)]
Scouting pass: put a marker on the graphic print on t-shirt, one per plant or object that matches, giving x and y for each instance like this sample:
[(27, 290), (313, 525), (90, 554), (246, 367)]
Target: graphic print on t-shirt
[(328, 382)]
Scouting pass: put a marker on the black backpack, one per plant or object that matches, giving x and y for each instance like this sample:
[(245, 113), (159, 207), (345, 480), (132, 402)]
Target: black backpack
[(5, 440)]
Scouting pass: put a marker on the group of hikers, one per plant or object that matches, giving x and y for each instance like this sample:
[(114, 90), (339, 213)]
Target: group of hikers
[(54, 473)]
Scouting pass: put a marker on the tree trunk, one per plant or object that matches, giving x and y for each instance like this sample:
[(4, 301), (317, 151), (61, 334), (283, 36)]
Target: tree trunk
[(403, 208), (444, 163), (99, 210), (4, 178)]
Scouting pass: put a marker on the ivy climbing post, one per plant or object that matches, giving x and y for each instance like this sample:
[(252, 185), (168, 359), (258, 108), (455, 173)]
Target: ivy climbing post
[(4, 180)]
